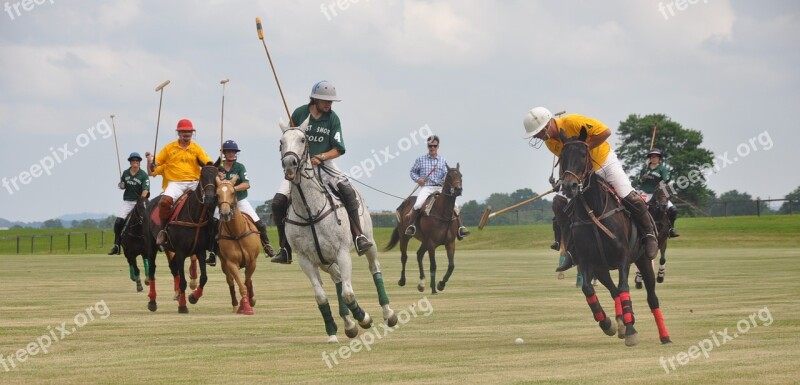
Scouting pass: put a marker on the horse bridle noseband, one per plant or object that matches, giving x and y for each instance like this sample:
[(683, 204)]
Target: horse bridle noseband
[(586, 176)]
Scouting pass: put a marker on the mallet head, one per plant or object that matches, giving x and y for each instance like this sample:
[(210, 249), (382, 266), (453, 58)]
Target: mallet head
[(162, 85)]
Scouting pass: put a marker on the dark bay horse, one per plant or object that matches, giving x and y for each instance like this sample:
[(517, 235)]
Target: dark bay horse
[(658, 210), (604, 238), (132, 241), (438, 228), (186, 236)]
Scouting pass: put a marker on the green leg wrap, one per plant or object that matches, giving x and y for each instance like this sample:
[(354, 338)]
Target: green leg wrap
[(330, 324), (146, 266), (342, 307), (133, 275), (358, 313), (383, 299)]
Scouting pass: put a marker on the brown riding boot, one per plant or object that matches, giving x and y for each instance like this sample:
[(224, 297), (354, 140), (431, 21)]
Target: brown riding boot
[(642, 217), (164, 209)]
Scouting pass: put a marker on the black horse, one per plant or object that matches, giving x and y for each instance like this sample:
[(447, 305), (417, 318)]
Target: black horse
[(658, 208), (132, 241), (186, 236), (604, 238)]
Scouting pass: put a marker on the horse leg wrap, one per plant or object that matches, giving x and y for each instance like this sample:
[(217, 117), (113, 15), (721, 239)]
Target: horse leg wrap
[(152, 294), (662, 329), (146, 266), (132, 272), (330, 324), (627, 307), (383, 298), (597, 310), (617, 306), (198, 292), (176, 280), (358, 313), (182, 299), (342, 306)]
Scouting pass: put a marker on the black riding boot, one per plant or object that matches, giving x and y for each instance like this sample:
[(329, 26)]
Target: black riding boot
[(213, 246), (673, 216), (351, 205), (642, 217), (412, 222), (556, 245), (280, 204), (262, 230), (118, 224), (561, 221)]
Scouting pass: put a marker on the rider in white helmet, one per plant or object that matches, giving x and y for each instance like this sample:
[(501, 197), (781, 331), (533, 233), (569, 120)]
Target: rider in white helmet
[(325, 143), (541, 125)]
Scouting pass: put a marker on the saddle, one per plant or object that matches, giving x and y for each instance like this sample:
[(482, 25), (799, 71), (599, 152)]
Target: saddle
[(176, 209)]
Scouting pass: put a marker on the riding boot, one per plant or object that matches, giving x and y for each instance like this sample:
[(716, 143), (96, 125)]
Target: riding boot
[(262, 230), (118, 224), (280, 205), (351, 205), (462, 231), (673, 216), (556, 245), (164, 209), (213, 247), (642, 217), (561, 221), (412, 222)]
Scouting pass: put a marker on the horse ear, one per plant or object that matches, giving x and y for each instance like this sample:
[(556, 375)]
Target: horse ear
[(234, 179), (304, 125), (458, 166), (283, 125), (219, 180), (583, 134), (562, 135)]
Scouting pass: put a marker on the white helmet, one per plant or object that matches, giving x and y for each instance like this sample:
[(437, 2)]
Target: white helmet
[(324, 90), (535, 121)]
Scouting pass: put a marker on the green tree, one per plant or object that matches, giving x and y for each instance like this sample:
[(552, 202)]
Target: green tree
[(792, 206), (689, 163), (107, 222), (53, 224), (737, 203)]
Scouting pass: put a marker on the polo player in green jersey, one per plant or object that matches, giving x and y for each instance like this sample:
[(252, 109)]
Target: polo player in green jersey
[(136, 184), (654, 173)]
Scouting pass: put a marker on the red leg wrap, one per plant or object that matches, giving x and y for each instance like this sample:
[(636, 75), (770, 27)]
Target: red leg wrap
[(662, 329)]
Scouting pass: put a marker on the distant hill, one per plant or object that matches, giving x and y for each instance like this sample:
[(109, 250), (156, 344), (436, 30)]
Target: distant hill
[(66, 220)]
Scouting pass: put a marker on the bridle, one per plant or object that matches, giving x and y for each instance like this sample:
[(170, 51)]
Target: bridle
[(201, 198), (585, 176)]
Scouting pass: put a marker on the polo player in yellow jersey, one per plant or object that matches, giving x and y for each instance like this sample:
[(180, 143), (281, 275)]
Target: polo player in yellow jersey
[(542, 125), (179, 164)]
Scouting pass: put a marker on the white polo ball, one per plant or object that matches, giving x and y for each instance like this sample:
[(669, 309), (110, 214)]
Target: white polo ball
[(518, 341)]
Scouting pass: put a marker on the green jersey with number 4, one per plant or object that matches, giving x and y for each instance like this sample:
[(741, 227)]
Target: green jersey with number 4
[(323, 134)]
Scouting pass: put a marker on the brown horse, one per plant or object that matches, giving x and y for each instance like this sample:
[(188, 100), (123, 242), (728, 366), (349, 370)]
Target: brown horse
[(440, 227), (658, 210), (603, 238), (239, 245)]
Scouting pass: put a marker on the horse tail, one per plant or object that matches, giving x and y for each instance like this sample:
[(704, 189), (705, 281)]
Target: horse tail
[(394, 240)]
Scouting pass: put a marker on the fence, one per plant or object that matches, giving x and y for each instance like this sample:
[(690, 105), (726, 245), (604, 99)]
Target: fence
[(758, 207), (49, 243)]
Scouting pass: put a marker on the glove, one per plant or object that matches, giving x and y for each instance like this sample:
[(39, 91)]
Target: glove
[(121, 185)]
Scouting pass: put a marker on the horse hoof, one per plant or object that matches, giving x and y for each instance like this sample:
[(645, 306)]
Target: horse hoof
[(183, 310), (440, 286), (351, 333), (632, 340), (252, 302), (638, 285), (620, 328), (392, 320), (401, 282), (139, 287), (146, 281), (560, 275), (192, 299), (608, 327), (235, 309), (421, 287), (175, 298), (333, 340), (366, 323), (666, 340), (152, 306), (193, 284)]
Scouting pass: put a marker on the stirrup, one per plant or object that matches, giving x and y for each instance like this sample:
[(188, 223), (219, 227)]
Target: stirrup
[(161, 238), (115, 250), (555, 245), (411, 230), (673, 233), (567, 264), (269, 250), (362, 244), (462, 232), (212, 259), (283, 257)]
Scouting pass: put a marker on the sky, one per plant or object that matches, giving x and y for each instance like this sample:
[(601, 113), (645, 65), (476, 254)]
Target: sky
[(467, 71)]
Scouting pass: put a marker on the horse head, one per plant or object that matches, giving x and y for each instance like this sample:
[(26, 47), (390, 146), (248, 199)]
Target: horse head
[(294, 150), (226, 197), (576, 164), (660, 198), (452, 181), (207, 185)]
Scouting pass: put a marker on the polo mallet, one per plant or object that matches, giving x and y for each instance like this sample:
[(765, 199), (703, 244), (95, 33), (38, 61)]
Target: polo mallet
[(653, 137), (159, 88), (114, 128), (275, 74), (487, 215), (222, 116)]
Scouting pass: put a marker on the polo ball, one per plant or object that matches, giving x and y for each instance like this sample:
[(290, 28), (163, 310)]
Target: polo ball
[(518, 341)]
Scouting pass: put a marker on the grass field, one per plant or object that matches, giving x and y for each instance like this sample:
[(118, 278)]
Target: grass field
[(720, 273)]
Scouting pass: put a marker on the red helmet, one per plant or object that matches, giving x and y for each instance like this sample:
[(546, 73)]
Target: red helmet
[(185, 125)]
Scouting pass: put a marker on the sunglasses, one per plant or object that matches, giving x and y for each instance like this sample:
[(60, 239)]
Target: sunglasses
[(433, 145)]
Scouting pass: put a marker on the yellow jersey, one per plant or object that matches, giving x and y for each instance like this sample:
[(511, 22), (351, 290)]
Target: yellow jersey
[(572, 124), (178, 164)]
